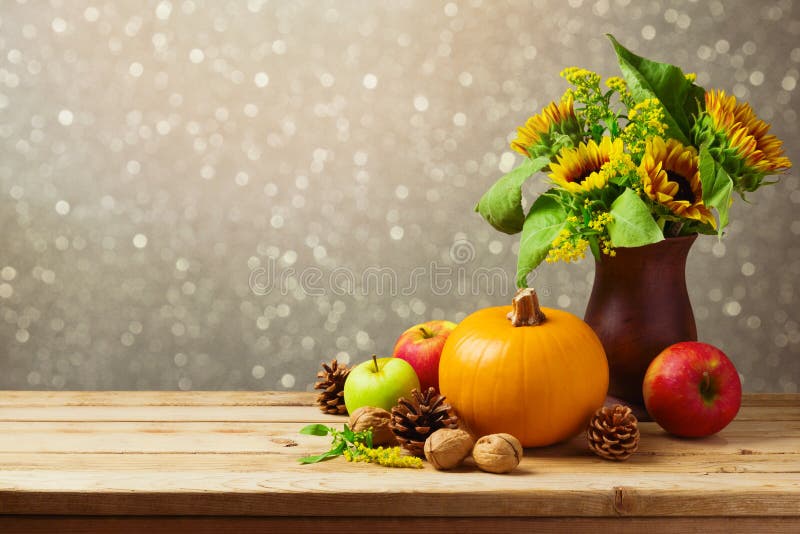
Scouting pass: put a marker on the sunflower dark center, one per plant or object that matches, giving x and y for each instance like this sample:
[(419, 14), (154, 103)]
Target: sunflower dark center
[(684, 187)]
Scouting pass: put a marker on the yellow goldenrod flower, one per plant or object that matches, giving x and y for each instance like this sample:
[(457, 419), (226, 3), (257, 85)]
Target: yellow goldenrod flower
[(670, 176), (645, 120), (580, 169), (556, 117), (691, 76), (600, 222), (749, 150), (586, 91), (568, 71), (620, 164), (580, 77), (567, 247), (615, 83), (389, 456)]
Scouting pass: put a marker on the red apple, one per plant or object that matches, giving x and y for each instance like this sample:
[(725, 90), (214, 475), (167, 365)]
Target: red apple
[(421, 346), (692, 389)]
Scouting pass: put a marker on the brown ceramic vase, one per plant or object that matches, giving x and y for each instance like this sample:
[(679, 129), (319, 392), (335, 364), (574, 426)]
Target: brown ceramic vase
[(638, 307)]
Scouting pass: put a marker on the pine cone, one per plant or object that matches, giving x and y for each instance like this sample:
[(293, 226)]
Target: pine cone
[(416, 419), (331, 382), (613, 432)]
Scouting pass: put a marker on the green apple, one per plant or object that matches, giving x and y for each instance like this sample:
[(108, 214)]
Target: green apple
[(379, 382)]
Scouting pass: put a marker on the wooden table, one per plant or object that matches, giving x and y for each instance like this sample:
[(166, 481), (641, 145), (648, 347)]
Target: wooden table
[(219, 462)]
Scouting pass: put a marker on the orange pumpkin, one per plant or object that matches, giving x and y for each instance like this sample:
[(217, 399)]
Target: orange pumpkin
[(539, 381)]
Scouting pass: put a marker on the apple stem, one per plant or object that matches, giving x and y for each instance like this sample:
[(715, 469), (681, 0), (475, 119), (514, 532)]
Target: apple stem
[(375, 361), (525, 309), (427, 334)]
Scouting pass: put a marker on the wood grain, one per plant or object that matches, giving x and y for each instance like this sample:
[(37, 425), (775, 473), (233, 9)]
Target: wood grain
[(52, 399), (228, 406), (243, 398), (265, 461), (391, 525), (133, 456), (219, 437)]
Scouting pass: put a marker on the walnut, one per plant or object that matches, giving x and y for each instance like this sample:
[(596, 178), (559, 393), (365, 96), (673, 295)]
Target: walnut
[(378, 420), (497, 453), (447, 447)]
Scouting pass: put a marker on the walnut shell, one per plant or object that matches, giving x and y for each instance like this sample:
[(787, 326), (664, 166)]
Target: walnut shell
[(497, 453), (447, 447), (378, 420)]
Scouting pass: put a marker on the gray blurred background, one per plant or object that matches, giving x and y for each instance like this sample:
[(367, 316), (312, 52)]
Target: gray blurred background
[(222, 194)]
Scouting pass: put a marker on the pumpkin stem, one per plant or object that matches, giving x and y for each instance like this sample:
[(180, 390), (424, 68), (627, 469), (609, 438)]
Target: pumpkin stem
[(525, 309)]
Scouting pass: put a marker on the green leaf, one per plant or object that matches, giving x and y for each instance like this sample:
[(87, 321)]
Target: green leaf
[(717, 187), (594, 246), (542, 225), (319, 457), (316, 430), (501, 205), (348, 434), (650, 79), (632, 224), (347, 439)]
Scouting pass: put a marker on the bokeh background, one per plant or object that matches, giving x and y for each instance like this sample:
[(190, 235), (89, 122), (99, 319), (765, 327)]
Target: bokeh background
[(191, 191)]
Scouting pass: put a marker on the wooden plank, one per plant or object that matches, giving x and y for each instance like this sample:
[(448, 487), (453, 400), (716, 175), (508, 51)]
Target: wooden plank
[(156, 398), (787, 412), (770, 399), (264, 414), (253, 413), (740, 437), (272, 460), (246, 398), (391, 525), (156, 437), (126, 453), (406, 492)]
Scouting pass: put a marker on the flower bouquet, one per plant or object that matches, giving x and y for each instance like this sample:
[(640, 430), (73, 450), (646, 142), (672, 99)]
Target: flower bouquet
[(631, 162), (637, 165)]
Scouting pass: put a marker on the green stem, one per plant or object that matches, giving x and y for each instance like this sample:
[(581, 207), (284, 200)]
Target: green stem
[(674, 229)]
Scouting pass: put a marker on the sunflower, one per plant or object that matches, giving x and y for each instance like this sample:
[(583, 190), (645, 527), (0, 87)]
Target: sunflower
[(670, 176), (749, 150), (538, 129), (580, 169)]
